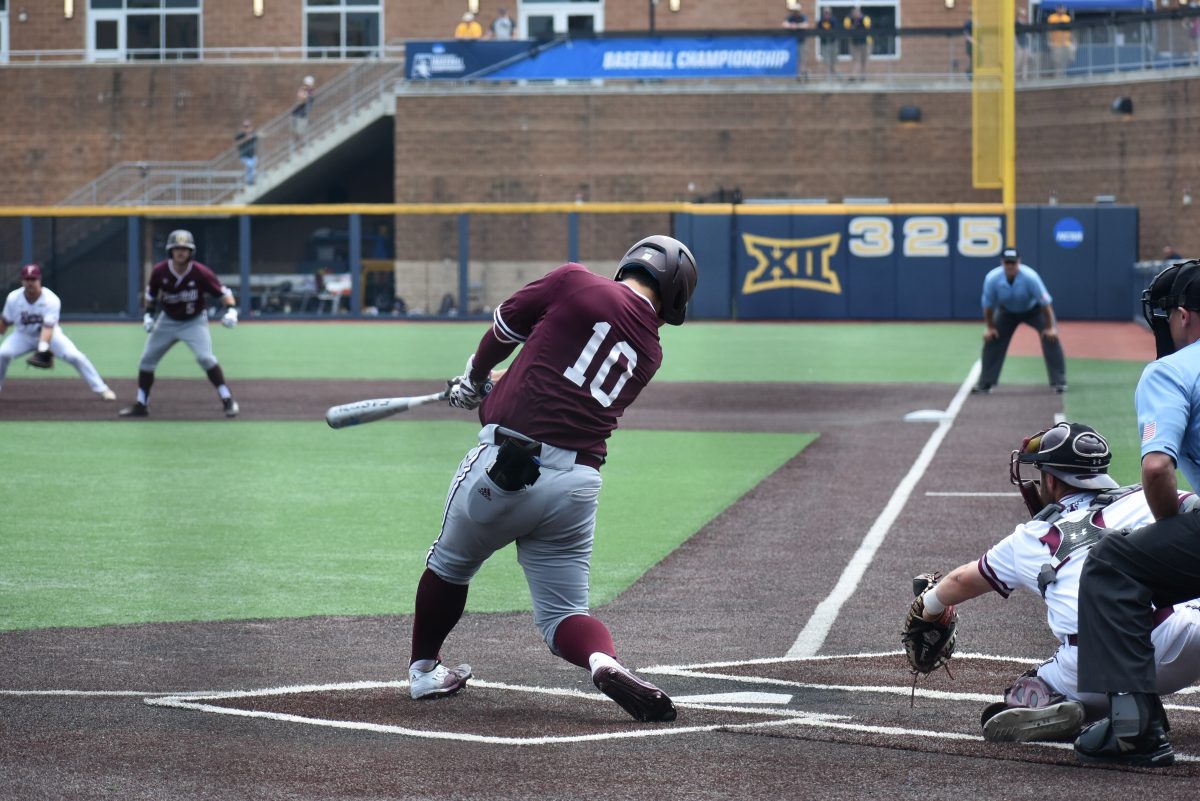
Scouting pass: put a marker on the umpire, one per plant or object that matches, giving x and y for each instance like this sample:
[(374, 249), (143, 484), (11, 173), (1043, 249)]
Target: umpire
[(1013, 293), (1126, 572)]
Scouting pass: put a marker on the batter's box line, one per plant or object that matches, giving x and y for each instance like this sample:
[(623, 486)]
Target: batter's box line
[(194, 702)]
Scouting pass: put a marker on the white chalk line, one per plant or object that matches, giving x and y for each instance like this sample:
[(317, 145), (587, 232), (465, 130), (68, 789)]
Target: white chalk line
[(813, 635)]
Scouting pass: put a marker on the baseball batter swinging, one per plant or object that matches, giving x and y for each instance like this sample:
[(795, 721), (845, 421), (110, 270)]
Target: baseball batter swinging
[(34, 311), (589, 344), (180, 284)]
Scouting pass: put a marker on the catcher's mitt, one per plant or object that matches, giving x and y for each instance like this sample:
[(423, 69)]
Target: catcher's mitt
[(928, 644), (42, 360)]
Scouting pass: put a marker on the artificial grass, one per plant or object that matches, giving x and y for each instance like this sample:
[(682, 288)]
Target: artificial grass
[(434, 351), (190, 521)]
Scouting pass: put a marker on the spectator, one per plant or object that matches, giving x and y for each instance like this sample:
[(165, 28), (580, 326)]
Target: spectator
[(502, 26), (826, 26), (1023, 53), (860, 41), (1192, 26), (1013, 293), (469, 28), (1170, 255), (247, 145), (300, 112), (796, 19), (1062, 43)]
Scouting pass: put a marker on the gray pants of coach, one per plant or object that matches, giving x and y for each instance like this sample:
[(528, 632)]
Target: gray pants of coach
[(995, 351)]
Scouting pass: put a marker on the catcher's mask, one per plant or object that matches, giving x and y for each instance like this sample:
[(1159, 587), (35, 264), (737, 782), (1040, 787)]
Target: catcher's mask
[(1071, 452), (672, 267), (1175, 286), (180, 239)]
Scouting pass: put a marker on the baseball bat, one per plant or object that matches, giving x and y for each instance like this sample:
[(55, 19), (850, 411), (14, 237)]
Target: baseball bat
[(368, 411)]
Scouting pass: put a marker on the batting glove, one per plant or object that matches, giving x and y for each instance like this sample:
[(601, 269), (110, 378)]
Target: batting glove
[(465, 393), (230, 318), (148, 321)]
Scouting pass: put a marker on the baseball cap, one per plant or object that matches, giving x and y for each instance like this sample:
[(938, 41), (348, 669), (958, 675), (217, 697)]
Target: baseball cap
[(1010, 254), (30, 272)]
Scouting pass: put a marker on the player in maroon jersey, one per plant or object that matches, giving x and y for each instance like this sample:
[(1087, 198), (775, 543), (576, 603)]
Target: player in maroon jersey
[(589, 346), (180, 285)]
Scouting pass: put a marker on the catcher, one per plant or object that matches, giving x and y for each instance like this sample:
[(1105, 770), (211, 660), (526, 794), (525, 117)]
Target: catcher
[(34, 311), (1073, 503)]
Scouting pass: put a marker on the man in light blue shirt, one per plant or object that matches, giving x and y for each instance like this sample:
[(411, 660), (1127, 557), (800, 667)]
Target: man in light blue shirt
[(1127, 572), (1013, 293)]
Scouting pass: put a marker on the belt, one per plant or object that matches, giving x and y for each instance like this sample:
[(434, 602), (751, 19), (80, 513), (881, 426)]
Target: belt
[(586, 459), (1159, 616)]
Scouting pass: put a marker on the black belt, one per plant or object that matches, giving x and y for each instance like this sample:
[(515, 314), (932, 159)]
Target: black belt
[(582, 458), (1159, 616)]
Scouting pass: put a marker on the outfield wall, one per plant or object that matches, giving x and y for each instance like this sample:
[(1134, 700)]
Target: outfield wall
[(898, 262)]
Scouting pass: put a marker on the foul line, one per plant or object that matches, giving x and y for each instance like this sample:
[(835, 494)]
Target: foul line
[(812, 637)]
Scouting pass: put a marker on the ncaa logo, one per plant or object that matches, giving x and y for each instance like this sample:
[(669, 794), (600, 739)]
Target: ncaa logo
[(1068, 233)]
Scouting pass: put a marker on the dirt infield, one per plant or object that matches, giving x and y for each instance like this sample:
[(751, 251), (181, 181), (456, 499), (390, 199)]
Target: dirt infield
[(313, 708)]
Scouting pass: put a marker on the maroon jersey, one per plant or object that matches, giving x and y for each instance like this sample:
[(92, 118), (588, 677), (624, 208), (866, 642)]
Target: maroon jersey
[(183, 297), (590, 344)]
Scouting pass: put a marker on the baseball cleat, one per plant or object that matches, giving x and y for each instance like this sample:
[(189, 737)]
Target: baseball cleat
[(1060, 388), (107, 394), (231, 407), (642, 700), (136, 410), (982, 389), (1026, 724), (438, 682)]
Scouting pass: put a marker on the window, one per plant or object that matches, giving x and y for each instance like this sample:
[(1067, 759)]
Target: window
[(342, 28), (3, 31), (138, 30), (883, 14), (545, 19)]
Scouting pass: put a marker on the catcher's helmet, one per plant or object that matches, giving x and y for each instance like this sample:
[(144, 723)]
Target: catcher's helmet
[(180, 239), (673, 268), (1071, 452), (1173, 287)]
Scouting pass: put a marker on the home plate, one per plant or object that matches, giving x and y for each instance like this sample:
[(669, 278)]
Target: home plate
[(736, 698), (926, 416)]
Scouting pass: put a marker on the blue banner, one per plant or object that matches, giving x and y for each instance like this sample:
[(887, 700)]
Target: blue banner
[(658, 57), (424, 61)]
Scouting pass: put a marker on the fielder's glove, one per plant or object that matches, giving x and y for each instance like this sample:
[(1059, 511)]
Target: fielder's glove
[(148, 321), (42, 360), (230, 318), (465, 393), (928, 644)]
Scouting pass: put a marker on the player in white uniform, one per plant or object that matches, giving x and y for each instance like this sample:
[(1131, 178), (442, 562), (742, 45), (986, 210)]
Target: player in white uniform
[(34, 311), (1074, 503)]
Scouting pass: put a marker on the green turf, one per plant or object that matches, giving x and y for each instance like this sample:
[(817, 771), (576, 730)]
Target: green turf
[(287, 519), (290, 519), (768, 352)]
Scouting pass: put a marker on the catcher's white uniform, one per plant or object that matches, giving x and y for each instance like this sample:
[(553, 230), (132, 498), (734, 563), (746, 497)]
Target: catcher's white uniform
[(29, 319), (1017, 560)]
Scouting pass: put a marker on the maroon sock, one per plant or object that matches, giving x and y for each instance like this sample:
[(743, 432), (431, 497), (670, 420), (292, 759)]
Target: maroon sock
[(439, 606), (579, 636)]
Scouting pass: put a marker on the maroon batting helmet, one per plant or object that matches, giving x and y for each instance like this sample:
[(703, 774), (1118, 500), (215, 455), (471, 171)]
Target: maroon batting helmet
[(672, 267)]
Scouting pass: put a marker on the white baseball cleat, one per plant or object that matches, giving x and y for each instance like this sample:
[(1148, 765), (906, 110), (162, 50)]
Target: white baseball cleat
[(437, 682), (107, 394)]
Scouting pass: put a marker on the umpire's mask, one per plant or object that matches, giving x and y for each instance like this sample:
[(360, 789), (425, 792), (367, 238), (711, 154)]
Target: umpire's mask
[(1175, 286)]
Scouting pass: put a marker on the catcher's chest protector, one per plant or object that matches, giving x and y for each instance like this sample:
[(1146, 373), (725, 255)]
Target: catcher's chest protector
[(1076, 535)]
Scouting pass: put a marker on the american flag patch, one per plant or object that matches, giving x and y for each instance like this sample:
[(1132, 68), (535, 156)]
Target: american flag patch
[(1149, 430)]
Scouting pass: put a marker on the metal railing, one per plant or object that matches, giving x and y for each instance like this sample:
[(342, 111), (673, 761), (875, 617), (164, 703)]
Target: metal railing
[(348, 102)]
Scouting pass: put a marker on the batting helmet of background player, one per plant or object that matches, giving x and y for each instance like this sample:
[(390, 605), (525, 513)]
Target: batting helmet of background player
[(1071, 452), (672, 267), (180, 239), (1175, 286)]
